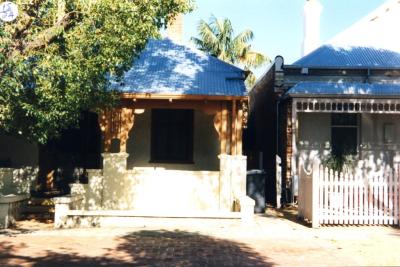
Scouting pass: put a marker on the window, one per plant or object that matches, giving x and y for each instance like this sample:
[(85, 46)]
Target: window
[(344, 134), (172, 136)]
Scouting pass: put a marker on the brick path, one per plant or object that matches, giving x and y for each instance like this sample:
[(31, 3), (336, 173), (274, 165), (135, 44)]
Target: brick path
[(270, 241)]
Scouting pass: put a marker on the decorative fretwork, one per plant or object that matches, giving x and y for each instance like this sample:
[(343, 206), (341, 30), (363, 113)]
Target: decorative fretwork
[(390, 106)]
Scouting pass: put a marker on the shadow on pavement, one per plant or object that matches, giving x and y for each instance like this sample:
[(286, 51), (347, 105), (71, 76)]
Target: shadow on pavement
[(145, 248), (28, 225), (285, 213)]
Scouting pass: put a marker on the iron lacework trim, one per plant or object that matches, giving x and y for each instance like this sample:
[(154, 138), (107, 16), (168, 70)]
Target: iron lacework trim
[(329, 105)]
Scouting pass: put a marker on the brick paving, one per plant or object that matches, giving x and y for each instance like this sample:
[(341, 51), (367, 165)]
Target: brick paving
[(272, 240)]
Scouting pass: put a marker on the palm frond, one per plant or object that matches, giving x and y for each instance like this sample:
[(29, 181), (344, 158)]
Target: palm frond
[(250, 80), (208, 35), (244, 37), (217, 38), (199, 43), (254, 59)]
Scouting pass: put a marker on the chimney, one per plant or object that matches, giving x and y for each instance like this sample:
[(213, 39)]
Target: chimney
[(312, 15), (175, 28)]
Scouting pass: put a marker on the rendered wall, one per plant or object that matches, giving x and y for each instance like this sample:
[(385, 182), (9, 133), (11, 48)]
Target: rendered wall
[(161, 191), (314, 133), (373, 147), (205, 150), (150, 190)]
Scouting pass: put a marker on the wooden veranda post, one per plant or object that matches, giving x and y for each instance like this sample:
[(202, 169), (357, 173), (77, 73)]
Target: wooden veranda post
[(224, 128), (239, 149), (233, 129), (116, 124)]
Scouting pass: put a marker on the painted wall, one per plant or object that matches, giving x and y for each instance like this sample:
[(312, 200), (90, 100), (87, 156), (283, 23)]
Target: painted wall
[(205, 150), (17, 152), (373, 147), (314, 136)]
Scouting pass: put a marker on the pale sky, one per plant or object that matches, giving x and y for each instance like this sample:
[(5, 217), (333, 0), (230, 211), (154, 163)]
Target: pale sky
[(278, 24)]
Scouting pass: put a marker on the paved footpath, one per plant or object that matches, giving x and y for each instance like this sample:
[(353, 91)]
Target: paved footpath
[(269, 241)]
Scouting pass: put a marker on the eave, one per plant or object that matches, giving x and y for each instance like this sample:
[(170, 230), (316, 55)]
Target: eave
[(180, 97)]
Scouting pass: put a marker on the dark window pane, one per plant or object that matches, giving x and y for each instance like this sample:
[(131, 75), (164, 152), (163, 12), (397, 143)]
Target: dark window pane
[(344, 141), (172, 135)]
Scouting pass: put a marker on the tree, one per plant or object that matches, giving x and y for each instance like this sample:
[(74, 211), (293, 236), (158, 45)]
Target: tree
[(217, 38), (57, 57)]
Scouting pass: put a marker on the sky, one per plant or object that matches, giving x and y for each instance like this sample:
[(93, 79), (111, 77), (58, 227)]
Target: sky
[(278, 24)]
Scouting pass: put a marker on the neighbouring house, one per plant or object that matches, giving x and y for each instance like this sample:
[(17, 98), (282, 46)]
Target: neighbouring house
[(339, 106)]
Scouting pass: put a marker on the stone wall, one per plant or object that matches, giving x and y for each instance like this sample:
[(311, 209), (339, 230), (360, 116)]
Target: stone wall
[(17, 181), (10, 208), (161, 191)]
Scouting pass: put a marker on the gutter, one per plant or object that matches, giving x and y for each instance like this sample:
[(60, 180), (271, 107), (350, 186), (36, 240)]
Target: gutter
[(388, 97)]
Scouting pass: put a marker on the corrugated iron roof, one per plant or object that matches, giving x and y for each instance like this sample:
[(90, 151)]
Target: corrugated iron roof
[(366, 57), (371, 42), (166, 67), (322, 89)]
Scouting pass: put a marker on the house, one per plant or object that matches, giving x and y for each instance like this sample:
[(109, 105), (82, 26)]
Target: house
[(339, 104), (172, 147), (174, 143)]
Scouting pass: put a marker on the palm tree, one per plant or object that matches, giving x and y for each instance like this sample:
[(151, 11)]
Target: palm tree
[(217, 38)]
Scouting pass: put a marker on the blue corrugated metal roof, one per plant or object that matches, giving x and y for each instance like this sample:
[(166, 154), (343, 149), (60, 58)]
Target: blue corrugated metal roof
[(368, 57), (165, 67), (344, 89)]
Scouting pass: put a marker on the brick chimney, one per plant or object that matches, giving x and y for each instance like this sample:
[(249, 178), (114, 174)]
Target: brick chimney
[(312, 15), (175, 28)]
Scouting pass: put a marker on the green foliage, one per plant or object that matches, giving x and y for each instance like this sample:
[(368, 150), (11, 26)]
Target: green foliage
[(55, 59), (217, 37), (340, 163)]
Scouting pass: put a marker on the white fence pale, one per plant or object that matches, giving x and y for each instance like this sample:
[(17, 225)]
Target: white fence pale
[(365, 198)]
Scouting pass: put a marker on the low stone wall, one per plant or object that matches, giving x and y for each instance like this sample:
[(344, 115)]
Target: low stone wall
[(91, 193), (15, 186), (67, 217), (62, 206), (158, 189), (161, 193), (10, 206), (163, 190), (17, 181), (151, 190)]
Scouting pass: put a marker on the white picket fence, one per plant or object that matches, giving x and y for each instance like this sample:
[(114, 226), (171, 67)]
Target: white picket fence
[(359, 198)]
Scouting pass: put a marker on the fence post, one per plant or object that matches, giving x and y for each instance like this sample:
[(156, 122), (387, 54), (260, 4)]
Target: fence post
[(315, 194), (278, 182), (302, 191)]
